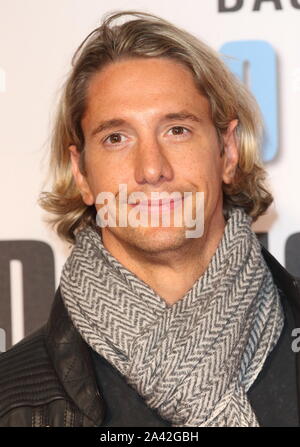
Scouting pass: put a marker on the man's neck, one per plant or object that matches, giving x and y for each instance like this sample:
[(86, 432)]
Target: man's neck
[(170, 274)]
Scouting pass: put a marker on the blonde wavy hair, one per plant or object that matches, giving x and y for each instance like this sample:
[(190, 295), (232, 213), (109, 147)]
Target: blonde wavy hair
[(147, 35)]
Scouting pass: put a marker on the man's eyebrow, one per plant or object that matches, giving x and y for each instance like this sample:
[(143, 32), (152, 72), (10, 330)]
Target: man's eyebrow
[(181, 116), (109, 124), (115, 122)]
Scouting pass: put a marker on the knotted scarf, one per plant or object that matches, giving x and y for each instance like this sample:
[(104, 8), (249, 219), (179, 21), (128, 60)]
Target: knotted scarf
[(192, 361)]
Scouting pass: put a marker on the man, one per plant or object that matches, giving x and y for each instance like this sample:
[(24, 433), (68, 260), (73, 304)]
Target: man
[(154, 324)]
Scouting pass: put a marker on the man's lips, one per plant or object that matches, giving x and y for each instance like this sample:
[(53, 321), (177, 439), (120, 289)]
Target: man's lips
[(161, 203)]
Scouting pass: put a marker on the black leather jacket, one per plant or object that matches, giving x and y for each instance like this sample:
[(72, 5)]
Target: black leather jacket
[(52, 378)]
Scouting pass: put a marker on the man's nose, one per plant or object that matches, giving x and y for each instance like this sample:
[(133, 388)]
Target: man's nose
[(151, 163)]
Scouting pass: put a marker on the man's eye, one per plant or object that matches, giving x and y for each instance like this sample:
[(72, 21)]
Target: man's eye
[(114, 138), (179, 130)]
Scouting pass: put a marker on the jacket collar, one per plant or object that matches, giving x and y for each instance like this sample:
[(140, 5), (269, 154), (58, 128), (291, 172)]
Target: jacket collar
[(72, 362), (286, 282)]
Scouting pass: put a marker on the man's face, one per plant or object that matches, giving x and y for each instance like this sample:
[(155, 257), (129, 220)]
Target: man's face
[(157, 136)]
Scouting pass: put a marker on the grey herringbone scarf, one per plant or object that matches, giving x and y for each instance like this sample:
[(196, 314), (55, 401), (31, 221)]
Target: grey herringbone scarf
[(193, 361)]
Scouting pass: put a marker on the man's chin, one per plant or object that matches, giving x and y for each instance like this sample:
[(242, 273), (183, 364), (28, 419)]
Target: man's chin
[(151, 239)]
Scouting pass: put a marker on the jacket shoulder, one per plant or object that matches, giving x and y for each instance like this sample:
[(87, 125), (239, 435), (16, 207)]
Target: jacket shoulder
[(27, 377)]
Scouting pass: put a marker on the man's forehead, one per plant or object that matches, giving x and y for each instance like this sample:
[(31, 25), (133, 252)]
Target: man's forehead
[(120, 77)]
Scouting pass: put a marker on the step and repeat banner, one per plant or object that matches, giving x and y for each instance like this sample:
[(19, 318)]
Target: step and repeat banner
[(37, 41)]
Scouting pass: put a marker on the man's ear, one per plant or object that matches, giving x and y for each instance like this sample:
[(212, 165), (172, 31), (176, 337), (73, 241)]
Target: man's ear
[(80, 179), (231, 153)]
